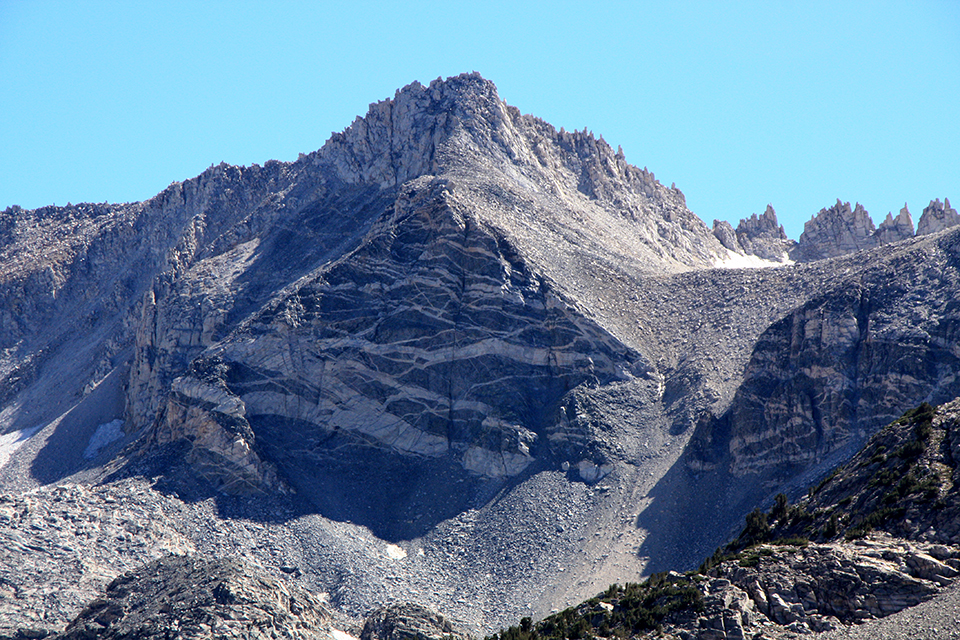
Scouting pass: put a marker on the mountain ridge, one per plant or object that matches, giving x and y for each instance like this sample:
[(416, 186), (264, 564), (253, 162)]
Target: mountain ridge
[(455, 330)]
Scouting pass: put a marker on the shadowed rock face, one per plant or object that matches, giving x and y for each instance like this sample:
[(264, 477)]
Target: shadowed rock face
[(432, 350), (848, 359)]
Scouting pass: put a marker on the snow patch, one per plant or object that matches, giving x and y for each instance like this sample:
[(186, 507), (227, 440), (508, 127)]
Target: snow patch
[(104, 435), (395, 552), (739, 261), (10, 442), (341, 635)]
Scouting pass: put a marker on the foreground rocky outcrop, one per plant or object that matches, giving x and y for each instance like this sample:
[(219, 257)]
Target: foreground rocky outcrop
[(886, 531), (62, 546), (409, 622), (772, 590), (190, 597)]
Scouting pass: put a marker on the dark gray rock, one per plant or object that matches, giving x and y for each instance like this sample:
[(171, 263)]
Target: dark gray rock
[(189, 597), (409, 622)]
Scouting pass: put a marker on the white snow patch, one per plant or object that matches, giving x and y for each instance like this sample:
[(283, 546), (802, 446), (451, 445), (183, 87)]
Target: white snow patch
[(341, 635), (739, 261), (395, 552), (10, 442), (104, 435)]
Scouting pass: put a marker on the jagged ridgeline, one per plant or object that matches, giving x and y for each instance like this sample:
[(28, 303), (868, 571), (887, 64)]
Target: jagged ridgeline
[(455, 356)]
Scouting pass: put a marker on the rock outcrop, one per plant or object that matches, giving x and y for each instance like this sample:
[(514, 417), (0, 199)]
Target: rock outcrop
[(834, 232), (896, 229), (63, 545), (764, 237), (902, 482), (937, 216), (409, 622), (761, 236), (191, 597)]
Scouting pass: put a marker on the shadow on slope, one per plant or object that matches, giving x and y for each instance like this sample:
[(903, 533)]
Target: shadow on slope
[(63, 452)]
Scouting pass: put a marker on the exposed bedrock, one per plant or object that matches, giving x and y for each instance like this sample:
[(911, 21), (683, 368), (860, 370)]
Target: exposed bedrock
[(432, 354), (842, 365)]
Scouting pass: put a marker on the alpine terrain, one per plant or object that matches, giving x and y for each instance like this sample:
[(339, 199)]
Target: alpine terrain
[(457, 371)]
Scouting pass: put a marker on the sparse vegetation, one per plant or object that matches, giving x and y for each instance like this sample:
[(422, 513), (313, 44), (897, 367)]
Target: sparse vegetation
[(890, 477), (617, 612), (848, 503)]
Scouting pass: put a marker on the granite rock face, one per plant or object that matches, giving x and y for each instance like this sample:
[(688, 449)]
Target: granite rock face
[(896, 229), (937, 216), (431, 326), (433, 346), (836, 231)]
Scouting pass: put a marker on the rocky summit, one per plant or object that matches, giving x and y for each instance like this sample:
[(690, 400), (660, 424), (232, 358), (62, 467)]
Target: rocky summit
[(454, 370)]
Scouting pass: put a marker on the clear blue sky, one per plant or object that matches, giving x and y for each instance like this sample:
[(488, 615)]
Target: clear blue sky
[(740, 103)]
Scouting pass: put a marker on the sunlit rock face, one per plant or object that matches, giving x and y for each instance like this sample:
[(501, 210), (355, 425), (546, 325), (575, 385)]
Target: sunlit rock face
[(937, 216), (836, 231)]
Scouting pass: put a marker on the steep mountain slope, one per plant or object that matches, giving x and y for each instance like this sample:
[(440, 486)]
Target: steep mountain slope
[(453, 357), (876, 537)]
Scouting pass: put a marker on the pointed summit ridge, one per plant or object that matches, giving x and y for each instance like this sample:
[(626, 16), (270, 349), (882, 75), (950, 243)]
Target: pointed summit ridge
[(896, 229), (460, 130), (399, 138), (760, 236), (836, 231), (937, 216)]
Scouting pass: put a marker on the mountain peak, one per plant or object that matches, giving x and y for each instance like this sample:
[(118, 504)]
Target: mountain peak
[(399, 138)]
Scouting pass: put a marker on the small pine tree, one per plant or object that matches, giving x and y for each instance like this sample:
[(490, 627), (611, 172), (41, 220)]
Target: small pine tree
[(781, 507)]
